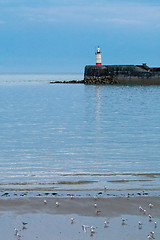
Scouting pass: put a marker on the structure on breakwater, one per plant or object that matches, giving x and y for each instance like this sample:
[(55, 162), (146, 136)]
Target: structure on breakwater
[(120, 74)]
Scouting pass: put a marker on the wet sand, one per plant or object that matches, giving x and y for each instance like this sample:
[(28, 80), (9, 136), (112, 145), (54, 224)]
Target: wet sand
[(50, 218)]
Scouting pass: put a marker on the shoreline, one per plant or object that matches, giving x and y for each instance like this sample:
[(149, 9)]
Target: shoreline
[(112, 207)]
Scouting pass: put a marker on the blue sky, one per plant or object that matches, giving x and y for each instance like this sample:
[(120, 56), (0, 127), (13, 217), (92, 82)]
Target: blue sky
[(62, 35)]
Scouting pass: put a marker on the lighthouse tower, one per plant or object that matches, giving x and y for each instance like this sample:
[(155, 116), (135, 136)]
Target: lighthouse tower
[(98, 57)]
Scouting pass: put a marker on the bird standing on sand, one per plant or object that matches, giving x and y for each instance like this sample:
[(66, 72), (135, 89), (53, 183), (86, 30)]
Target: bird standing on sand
[(140, 209), (71, 197), (57, 204), (16, 231), (150, 205), (123, 221), (72, 220), (92, 230), (45, 201), (98, 212), (155, 224), (144, 211), (150, 218), (106, 224), (152, 234), (19, 236), (149, 237), (95, 205), (24, 223), (84, 227), (92, 227), (139, 225)]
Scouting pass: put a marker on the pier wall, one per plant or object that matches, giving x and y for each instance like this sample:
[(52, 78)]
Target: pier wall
[(122, 74)]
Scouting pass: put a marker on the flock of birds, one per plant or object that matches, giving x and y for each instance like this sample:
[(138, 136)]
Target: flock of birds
[(150, 236), (18, 233)]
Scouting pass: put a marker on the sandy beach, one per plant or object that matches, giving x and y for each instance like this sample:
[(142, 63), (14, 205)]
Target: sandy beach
[(72, 218)]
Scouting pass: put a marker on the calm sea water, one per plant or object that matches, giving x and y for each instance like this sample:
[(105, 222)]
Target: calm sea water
[(84, 137)]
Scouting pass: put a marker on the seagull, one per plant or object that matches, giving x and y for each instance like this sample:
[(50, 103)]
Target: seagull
[(98, 212), (72, 220), (106, 224), (92, 230), (151, 205), (95, 205), (155, 224), (123, 221), (45, 201), (84, 227), (152, 234), (71, 197), (16, 231), (144, 211), (140, 225), (18, 236), (140, 209), (57, 204), (92, 227), (149, 237), (150, 218), (24, 223)]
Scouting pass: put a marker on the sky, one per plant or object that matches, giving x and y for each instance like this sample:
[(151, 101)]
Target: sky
[(58, 36)]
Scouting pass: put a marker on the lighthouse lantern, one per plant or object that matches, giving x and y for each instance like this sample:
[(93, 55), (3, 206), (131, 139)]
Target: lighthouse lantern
[(98, 57)]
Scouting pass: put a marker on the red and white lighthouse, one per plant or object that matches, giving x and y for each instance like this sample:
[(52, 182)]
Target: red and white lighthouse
[(98, 57)]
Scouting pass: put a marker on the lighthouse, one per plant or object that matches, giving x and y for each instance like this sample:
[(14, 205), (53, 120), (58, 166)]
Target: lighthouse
[(98, 57)]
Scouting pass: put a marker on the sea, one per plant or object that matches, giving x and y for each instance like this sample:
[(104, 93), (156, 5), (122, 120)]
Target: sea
[(76, 137)]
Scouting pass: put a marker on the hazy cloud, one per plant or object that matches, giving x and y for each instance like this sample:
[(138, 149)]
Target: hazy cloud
[(116, 13), (121, 14)]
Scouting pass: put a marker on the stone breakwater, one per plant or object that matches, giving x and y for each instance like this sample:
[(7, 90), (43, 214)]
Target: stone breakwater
[(100, 80), (71, 82), (122, 74)]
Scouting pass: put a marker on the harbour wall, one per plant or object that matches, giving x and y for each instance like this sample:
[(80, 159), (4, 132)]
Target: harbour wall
[(122, 74)]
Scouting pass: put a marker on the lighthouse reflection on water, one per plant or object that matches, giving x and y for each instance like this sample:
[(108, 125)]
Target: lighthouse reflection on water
[(98, 87)]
